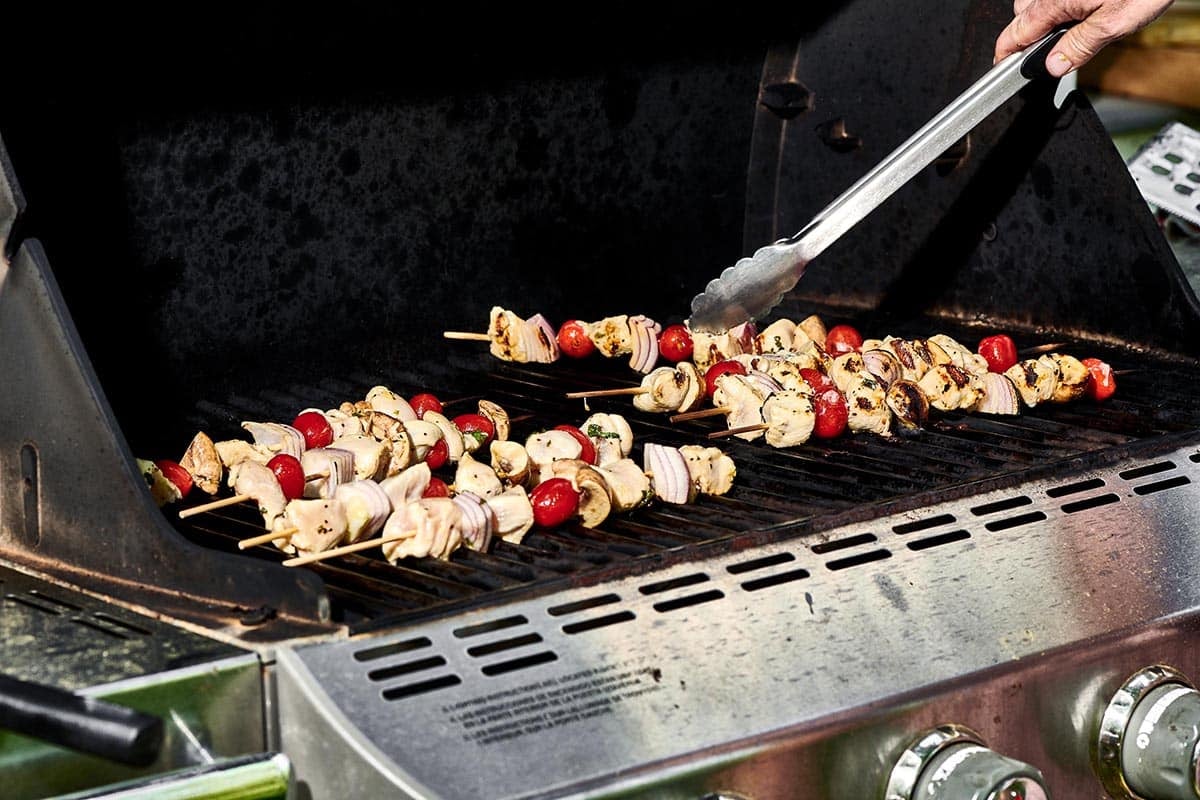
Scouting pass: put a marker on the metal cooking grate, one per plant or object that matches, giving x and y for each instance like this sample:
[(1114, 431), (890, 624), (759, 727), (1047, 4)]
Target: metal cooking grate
[(777, 493)]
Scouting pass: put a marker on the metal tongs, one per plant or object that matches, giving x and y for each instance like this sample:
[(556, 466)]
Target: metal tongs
[(755, 285)]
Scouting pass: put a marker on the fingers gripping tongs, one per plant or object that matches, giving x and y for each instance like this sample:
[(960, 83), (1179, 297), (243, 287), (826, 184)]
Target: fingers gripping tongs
[(755, 285)]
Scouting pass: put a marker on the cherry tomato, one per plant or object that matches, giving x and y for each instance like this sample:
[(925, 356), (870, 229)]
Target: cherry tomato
[(316, 429), (675, 343), (999, 351), (554, 502), (717, 370), (289, 473), (176, 474), (437, 455), (1102, 384), (425, 402), (842, 339), (436, 488), (573, 339), (477, 426), (818, 380), (588, 454), (832, 413)]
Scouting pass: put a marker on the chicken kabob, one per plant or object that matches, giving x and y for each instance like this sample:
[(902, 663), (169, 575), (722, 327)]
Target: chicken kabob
[(314, 506)]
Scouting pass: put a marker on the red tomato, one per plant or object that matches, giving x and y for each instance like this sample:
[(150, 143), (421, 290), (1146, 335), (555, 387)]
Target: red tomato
[(832, 413), (1102, 384), (176, 474), (316, 429), (842, 339), (437, 455), (588, 454), (999, 351), (477, 426), (425, 402), (818, 380), (573, 339), (675, 343), (289, 473), (436, 488), (717, 370), (554, 502)]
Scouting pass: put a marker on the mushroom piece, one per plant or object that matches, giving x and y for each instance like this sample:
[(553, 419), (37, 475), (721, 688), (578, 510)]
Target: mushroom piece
[(423, 435), (385, 427), (455, 446), (595, 503), (908, 403), (510, 461), (383, 399)]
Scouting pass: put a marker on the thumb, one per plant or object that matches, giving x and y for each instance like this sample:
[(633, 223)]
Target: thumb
[(1077, 47)]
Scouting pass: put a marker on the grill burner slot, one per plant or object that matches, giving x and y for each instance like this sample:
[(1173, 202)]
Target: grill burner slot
[(1015, 522), (400, 692), (689, 600), (387, 673), (582, 605), (674, 583), (858, 560), (488, 627), (923, 524), (760, 563), (841, 544), (599, 622), (938, 540), (1149, 469), (1000, 505), (775, 580), (524, 662), (1074, 488), (386, 650), (1159, 486), (1091, 502)]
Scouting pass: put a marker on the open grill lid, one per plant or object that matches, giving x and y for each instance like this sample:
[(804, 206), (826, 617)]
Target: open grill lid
[(275, 247)]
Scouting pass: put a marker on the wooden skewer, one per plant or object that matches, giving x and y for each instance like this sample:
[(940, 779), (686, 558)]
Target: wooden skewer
[(215, 504), (762, 426), (466, 336), (627, 390), (286, 533), (344, 550), (704, 412)]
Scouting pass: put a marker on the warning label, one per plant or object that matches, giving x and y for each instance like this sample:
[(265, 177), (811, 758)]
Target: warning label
[(552, 703)]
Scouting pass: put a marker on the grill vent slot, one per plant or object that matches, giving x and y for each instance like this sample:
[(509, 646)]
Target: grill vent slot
[(1001, 505), (487, 627), (1091, 502), (673, 583), (525, 662), (1074, 488), (1015, 522), (923, 524), (120, 623), (48, 599), (407, 668), (760, 563), (1159, 486), (690, 600), (842, 544), (778, 579), (480, 650), (383, 651), (25, 601), (858, 559), (408, 690), (938, 540), (96, 626), (598, 622), (1149, 469), (583, 605)]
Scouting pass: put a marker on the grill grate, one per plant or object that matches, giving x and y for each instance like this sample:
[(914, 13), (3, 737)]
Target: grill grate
[(777, 493)]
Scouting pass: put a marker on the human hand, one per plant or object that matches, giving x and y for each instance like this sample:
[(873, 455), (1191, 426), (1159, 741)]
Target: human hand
[(1100, 23)]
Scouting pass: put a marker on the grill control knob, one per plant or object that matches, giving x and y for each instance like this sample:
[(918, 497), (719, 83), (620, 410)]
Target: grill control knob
[(1149, 747), (951, 761)]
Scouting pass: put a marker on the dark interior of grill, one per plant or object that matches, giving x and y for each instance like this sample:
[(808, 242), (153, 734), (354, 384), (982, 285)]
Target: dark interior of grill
[(288, 227)]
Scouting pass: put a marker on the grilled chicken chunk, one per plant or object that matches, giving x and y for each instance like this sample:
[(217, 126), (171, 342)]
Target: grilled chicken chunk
[(1072, 378), (408, 486), (950, 388), (371, 456), (612, 336), (711, 470), (275, 437), (431, 527), (791, 417), (611, 436), (259, 482), (320, 524), (234, 451), (627, 483), (476, 477), (743, 401), (781, 336), (960, 355), (678, 388), (908, 403), (545, 448), (367, 508), (846, 368), (783, 368), (709, 348), (867, 405), (514, 514), (1035, 379), (203, 463)]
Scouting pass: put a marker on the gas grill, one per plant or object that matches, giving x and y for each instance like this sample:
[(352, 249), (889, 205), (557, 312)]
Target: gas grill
[(1002, 592)]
